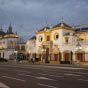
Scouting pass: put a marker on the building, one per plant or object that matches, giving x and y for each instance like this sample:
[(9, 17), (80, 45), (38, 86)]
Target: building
[(62, 43), (31, 47), (8, 42), (21, 50)]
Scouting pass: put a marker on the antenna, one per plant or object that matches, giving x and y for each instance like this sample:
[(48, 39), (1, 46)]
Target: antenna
[(80, 27), (46, 24), (1, 28), (62, 20)]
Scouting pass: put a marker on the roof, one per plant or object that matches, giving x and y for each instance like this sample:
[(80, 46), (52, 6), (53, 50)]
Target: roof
[(42, 29), (2, 33), (82, 29), (62, 24), (9, 31), (33, 38)]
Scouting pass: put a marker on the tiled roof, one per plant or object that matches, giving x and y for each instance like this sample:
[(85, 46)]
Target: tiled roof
[(33, 38), (62, 24), (82, 29), (43, 29), (2, 33)]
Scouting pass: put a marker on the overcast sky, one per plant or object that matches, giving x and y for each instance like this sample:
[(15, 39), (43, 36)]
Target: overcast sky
[(27, 16)]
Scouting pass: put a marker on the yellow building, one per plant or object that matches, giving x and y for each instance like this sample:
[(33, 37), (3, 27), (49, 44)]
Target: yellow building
[(61, 43)]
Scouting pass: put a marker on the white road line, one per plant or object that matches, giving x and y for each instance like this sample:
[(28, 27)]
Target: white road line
[(3, 69), (47, 85), (54, 71), (2, 85), (27, 66), (71, 75), (51, 75), (82, 79), (27, 75), (14, 78), (46, 69), (45, 78)]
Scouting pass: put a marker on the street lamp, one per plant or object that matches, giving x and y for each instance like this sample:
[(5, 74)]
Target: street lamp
[(78, 48), (16, 52), (43, 54)]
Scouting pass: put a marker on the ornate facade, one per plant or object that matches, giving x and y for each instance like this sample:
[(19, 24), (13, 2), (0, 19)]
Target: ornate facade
[(8, 42), (59, 44)]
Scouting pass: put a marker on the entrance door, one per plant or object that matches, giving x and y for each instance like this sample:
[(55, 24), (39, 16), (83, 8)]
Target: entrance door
[(80, 57), (56, 57), (66, 56), (39, 57), (47, 54)]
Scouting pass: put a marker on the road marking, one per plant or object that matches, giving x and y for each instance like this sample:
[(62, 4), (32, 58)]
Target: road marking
[(14, 78), (2, 85), (82, 79), (46, 69), (3, 69), (71, 75), (26, 75), (22, 71), (27, 66), (47, 85), (51, 75), (45, 78), (59, 72)]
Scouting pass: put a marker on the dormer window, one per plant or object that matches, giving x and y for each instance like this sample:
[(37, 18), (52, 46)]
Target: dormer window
[(66, 40)]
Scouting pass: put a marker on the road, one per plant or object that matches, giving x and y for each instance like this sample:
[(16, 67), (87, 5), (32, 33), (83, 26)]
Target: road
[(16, 75)]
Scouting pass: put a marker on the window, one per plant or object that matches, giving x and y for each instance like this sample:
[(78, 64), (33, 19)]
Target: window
[(17, 48), (23, 48), (3, 54), (66, 39), (40, 38), (56, 36), (48, 38)]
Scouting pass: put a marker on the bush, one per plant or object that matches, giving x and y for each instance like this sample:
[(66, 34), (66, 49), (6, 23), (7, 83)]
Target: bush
[(3, 60), (64, 62)]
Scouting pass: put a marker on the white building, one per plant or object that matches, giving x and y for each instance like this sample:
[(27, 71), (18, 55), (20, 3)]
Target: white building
[(8, 42), (62, 43), (31, 46)]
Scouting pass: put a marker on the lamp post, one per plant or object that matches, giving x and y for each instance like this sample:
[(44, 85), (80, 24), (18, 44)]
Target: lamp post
[(51, 45), (78, 48), (43, 54), (16, 52)]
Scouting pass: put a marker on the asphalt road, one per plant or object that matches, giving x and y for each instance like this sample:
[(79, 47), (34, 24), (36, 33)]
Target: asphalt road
[(16, 75)]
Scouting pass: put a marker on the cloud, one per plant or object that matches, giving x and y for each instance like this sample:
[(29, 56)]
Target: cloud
[(27, 16)]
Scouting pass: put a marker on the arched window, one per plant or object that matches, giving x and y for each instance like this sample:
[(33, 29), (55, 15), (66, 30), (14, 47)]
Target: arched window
[(40, 38), (56, 36), (17, 48), (23, 48)]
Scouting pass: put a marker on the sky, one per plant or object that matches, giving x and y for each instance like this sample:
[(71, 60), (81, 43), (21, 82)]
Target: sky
[(28, 16)]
